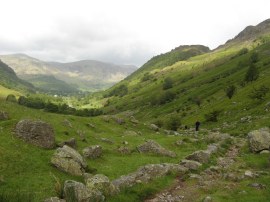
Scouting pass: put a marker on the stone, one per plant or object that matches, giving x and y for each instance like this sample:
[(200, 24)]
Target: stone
[(125, 142), (54, 199), (265, 152), (76, 191), (38, 133), (246, 119), (124, 150), (92, 152), (257, 185), (200, 156), (179, 142), (217, 136), (134, 120), (71, 142), (69, 160), (249, 174), (90, 125), (151, 146), (82, 135), (130, 133), (259, 139), (102, 184), (3, 116), (208, 199), (154, 127), (191, 165), (107, 140), (212, 148), (120, 121)]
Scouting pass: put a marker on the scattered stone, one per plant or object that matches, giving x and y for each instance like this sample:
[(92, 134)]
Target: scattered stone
[(67, 123), (194, 176), (208, 199), (107, 140), (82, 135), (151, 146), (124, 150), (3, 116), (130, 133), (76, 191), (38, 133), (246, 119), (179, 142), (54, 199), (102, 184), (69, 160), (257, 185), (154, 127), (249, 174), (200, 156), (120, 121), (191, 165), (265, 152), (212, 148), (134, 120), (71, 142), (90, 125), (217, 136), (259, 139), (125, 142), (92, 152)]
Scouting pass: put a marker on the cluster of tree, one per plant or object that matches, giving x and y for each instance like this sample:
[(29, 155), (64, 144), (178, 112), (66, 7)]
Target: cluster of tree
[(38, 103), (164, 98), (118, 91)]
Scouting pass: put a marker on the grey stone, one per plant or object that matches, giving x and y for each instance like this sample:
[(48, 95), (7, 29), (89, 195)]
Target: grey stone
[(69, 160), (200, 156), (71, 142), (76, 191), (208, 199), (191, 165), (154, 127), (259, 139), (212, 148), (67, 123), (3, 116), (265, 152), (92, 152), (38, 133), (124, 150), (107, 140), (54, 199), (151, 146)]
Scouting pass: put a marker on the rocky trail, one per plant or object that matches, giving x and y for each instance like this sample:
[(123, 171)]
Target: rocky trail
[(192, 187)]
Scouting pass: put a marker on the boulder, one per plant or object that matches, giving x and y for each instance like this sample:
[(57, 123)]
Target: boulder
[(217, 136), (259, 139), (101, 183), (71, 142), (212, 148), (191, 165), (67, 123), (134, 120), (200, 156), (69, 160), (38, 133), (124, 150), (92, 152), (3, 116), (54, 199), (107, 140), (76, 191), (151, 146)]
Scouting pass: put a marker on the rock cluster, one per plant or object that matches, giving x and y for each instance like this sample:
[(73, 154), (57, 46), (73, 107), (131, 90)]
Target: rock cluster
[(259, 139), (92, 152), (151, 146), (3, 116)]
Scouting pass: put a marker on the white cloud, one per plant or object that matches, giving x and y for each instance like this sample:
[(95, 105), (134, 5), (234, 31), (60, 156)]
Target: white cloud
[(120, 31)]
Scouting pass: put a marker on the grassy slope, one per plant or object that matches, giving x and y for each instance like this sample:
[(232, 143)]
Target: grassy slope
[(27, 169)]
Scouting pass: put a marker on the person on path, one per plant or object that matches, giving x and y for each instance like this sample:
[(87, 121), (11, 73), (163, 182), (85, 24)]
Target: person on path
[(197, 125)]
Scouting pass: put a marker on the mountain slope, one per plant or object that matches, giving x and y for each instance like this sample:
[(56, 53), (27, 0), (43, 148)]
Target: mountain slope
[(85, 75), (9, 79)]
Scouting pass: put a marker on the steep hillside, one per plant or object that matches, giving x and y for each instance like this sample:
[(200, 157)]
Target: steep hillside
[(9, 79), (84, 75)]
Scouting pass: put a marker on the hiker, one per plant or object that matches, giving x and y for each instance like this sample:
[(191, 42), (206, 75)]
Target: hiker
[(197, 125)]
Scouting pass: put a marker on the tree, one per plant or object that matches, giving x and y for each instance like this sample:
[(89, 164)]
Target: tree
[(174, 123), (11, 98), (254, 57), (252, 73), (230, 91), (259, 93), (168, 83), (212, 116)]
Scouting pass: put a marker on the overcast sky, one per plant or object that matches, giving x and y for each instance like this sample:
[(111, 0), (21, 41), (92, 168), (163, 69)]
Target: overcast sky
[(120, 31)]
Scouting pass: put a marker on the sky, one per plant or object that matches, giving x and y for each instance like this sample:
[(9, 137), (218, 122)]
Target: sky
[(120, 31)]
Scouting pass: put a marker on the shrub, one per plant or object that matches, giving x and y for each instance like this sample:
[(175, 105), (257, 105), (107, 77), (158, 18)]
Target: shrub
[(146, 77), (119, 91), (168, 83), (259, 93), (174, 123), (254, 57), (252, 73), (168, 96), (197, 100), (230, 91), (11, 98), (212, 116)]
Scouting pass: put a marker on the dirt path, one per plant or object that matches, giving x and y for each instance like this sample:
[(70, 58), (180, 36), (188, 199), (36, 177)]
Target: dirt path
[(192, 188)]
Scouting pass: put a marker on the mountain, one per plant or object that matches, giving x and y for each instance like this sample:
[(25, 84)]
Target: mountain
[(9, 79), (84, 75)]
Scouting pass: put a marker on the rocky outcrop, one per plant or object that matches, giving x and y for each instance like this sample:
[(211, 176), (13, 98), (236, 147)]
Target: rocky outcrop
[(38, 133), (101, 183), (199, 156), (259, 139), (3, 116), (92, 152), (151, 146), (147, 173), (69, 160), (76, 191), (191, 165)]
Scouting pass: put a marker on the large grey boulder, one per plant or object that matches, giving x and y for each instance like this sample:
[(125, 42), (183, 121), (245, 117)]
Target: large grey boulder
[(102, 184), (3, 116), (154, 127), (71, 142), (54, 199), (38, 133), (199, 156), (92, 152), (69, 160), (259, 139), (150, 146), (78, 192)]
